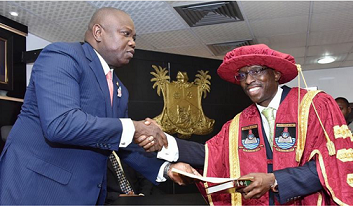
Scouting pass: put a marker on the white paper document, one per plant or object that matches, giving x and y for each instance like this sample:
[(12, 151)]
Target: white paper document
[(205, 179)]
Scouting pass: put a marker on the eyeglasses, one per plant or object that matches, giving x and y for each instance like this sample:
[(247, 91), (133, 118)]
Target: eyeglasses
[(254, 72)]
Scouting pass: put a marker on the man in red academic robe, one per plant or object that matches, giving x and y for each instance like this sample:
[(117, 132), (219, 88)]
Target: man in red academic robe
[(303, 156)]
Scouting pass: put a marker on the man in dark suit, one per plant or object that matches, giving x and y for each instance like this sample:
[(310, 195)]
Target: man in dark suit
[(70, 121), (299, 154)]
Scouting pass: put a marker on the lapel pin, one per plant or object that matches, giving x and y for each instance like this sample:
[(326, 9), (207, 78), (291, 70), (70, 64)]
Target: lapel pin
[(119, 89)]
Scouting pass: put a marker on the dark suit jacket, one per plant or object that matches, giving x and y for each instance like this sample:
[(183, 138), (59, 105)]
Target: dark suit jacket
[(298, 181), (57, 150)]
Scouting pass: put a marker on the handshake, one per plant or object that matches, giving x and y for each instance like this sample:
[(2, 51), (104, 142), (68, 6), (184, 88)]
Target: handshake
[(149, 135)]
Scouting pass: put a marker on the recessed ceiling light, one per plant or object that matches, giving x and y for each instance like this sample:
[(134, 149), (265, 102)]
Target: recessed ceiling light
[(326, 60), (13, 13)]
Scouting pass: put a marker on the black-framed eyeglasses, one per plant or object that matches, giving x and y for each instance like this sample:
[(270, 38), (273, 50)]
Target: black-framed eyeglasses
[(254, 72)]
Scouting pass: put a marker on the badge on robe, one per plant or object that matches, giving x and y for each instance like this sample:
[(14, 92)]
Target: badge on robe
[(285, 136), (250, 138)]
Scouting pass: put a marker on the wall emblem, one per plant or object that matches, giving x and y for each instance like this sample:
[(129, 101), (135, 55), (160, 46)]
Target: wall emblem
[(182, 112)]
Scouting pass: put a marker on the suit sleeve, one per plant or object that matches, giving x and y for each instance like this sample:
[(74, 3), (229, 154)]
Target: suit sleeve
[(295, 182), (145, 163), (192, 153), (58, 74)]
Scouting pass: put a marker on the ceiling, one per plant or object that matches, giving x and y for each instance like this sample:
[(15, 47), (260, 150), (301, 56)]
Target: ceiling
[(306, 29)]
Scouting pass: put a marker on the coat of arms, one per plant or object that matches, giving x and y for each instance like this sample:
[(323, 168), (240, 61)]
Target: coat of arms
[(182, 112)]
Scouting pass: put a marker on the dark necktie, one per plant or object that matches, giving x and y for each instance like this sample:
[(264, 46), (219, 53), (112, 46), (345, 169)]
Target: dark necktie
[(123, 182)]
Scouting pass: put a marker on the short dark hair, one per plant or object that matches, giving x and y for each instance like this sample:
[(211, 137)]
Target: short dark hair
[(343, 99)]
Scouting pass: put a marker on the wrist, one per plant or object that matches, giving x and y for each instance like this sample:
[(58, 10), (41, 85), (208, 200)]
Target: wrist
[(166, 170), (274, 186)]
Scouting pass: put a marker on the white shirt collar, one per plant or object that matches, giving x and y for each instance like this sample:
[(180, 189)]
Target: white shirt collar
[(275, 102), (104, 64)]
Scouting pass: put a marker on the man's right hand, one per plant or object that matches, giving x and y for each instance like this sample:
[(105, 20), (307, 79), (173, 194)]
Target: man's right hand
[(179, 178), (149, 136), (260, 184)]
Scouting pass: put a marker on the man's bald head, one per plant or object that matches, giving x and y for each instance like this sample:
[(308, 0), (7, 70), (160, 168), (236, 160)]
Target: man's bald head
[(111, 32), (102, 16)]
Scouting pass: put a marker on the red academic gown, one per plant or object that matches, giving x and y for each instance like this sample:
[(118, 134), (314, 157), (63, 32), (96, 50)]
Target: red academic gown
[(239, 149)]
